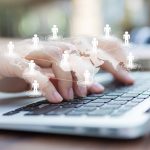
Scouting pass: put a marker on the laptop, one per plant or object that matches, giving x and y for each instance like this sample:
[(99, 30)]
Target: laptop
[(121, 112)]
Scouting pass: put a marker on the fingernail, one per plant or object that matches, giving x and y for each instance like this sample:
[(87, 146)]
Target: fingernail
[(98, 87), (70, 93), (57, 97), (83, 91)]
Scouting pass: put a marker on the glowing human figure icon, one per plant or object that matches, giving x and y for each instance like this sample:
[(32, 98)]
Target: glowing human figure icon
[(126, 38), (107, 30), (87, 77), (94, 45), (64, 64), (54, 30), (31, 67), (11, 48), (35, 41), (130, 59), (35, 87)]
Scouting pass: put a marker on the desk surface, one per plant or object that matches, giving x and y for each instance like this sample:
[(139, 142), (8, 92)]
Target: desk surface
[(35, 141)]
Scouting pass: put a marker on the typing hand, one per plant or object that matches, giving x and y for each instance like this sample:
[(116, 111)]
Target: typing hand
[(112, 51), (55, 83)]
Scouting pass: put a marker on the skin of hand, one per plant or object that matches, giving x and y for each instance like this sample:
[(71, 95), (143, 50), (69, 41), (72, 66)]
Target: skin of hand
[(55, 83), (62, 84), (113, 47)]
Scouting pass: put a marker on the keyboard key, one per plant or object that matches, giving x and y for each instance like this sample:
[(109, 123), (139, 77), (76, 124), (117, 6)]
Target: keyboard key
[(76, 113), (133, 92), (142, 96), (146, 93), (29, 107), (108, 97), (130, 95), (131, 104), (96, 95), (100, 112), (107, 106), (93, 105), (60, 111), (137, 100), (122, 90), (137, 90), (114, 94), (124, 109), (43, 110), (86, 101), (123, 99), (72, 105), (42, 105), (89, 98), (76, 102), (116, 102), (33, 106), (101, 100), (81, 111), (80, 102), (85, 109)]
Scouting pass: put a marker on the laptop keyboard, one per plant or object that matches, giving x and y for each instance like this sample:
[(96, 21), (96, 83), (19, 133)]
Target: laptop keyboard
[(116, 101)]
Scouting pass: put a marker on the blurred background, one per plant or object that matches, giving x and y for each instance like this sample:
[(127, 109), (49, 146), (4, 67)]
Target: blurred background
[(23, 18)]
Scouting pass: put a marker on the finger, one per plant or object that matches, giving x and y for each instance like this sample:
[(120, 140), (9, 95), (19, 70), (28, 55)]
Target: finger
[(64, 82), (120, 74), (82, 91), (17, 67), (114, 49), (95, 88), (79, 90), (80, 65), (45, 56), (47, 88)]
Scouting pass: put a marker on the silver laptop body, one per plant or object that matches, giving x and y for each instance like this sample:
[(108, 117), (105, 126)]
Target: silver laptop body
[(133, 123)]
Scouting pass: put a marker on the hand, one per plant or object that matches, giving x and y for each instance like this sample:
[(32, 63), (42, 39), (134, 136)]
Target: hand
[(112, 52), (114, 47), (62, 84)]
